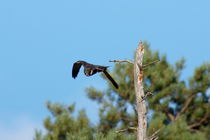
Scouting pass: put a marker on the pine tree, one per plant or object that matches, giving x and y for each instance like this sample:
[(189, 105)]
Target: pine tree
[(175, 103), (179, 108), (63, 126)]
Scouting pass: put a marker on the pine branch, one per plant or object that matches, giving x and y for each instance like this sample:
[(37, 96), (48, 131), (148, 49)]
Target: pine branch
[(123, 130), (146, 65), (169, 115), (184, 108), (200, 122), (128, 119), (193, 130)]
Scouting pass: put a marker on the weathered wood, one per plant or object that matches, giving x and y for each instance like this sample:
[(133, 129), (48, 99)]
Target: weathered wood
[(120, 61), (139, 90), (141, 109)]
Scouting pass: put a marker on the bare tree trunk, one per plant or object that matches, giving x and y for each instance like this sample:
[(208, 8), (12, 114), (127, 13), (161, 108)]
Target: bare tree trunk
[(138, 81), (140, 96)]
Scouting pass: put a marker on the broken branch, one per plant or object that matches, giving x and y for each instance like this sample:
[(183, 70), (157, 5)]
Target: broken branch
[(120, 61), (154, 135), (146, 95)]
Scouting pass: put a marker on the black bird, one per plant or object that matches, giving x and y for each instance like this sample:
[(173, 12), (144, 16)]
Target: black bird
[(90, 69)]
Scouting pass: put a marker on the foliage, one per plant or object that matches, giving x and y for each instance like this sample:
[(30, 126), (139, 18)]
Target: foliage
[(180, 109), (62, 125)]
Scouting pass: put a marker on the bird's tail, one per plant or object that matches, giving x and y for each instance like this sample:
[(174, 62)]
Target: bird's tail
[(111, 79)]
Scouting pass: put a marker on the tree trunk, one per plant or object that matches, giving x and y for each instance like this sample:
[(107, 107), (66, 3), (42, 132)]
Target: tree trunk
[(140, 102)]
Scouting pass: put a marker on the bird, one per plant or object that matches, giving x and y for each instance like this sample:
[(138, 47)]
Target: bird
[(90, 69)]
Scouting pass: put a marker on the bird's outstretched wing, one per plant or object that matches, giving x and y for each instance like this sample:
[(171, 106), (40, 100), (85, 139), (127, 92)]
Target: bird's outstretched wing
[(111, 79), (75, 69)]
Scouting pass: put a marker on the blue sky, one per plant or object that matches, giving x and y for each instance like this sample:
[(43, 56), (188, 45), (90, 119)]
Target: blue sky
[(41, 39)]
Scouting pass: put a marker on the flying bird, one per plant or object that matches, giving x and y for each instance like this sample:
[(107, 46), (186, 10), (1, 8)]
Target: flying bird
[(90, 69)]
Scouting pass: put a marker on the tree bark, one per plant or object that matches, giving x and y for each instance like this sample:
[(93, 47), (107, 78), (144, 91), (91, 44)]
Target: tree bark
[(139, 91)]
